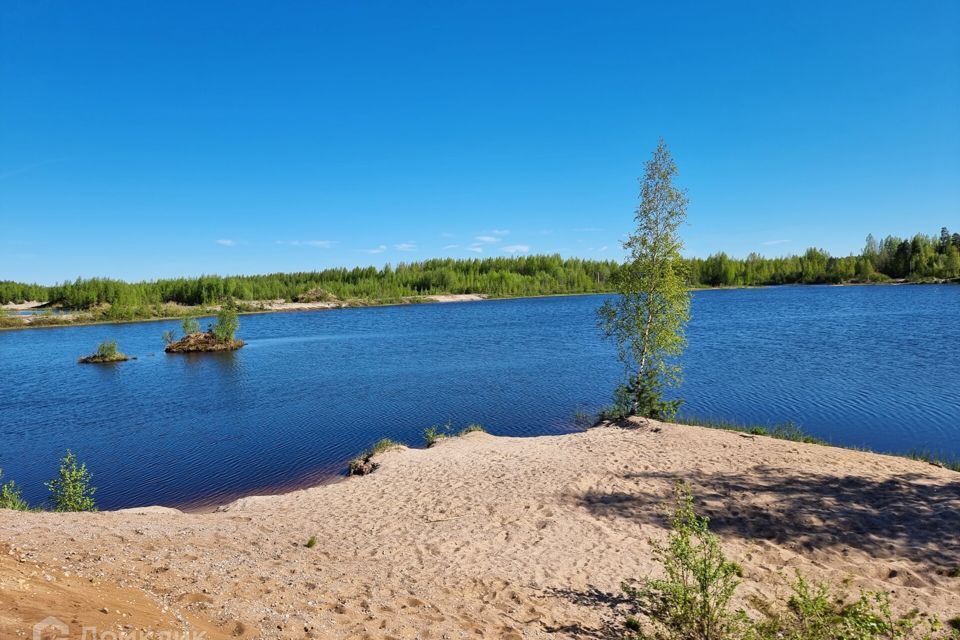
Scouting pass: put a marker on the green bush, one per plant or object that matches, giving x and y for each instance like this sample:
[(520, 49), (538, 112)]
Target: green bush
[(814, 613), (692, 601), (190, 325), (10, 496), (168, 336), (226, 325), (108, 349), (71, 490)]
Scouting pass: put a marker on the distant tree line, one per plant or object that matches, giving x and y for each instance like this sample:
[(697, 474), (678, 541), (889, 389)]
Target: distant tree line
[(919, 258)]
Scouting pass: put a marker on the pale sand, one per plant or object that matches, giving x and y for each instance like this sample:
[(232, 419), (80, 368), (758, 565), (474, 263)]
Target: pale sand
[(493, 537)]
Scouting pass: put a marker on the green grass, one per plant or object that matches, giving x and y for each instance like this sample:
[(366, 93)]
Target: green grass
[(434, 434), (311, 543), (472, 428), (785, 431), (934, 459)]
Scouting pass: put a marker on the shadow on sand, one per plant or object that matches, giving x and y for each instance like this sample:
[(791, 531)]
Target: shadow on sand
[(913, 516)]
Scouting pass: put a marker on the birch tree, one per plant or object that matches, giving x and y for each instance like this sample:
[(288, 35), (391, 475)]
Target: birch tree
[(648, 317)]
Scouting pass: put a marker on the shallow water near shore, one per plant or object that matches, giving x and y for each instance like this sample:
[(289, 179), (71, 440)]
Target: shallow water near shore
[(867, 366)]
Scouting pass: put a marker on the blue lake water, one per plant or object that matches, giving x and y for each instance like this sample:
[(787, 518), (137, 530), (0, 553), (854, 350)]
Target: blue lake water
[(871, 366)]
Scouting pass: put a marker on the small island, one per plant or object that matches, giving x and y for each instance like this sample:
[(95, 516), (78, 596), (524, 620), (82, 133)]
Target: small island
[(220, 336), (107, 351)]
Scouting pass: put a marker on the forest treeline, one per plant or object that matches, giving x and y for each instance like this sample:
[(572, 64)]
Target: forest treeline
[(918, 258)]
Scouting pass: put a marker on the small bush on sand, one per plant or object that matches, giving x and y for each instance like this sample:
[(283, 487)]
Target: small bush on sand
[(71, 490), (10, 496), (311, 543), (434, 434), (814, 613), (691, 602)]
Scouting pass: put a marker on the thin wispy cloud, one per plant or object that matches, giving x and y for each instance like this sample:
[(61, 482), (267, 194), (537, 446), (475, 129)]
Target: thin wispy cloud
[(320, 244), (451, 246), (379, 249), (28, 167), (770, 243), (226, 243), (500, 232), (517, 248), (405, 246), (487, 239), (475, 248)]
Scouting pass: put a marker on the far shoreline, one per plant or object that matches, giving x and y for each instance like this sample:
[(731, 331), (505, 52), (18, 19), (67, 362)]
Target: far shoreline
[(453, 298)]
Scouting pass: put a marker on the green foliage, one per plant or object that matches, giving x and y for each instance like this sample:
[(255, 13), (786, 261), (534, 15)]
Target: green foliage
[(919, 258), (168, 336), (108, 350), (384, 444), (647, 319), (584, 420), (434, 434), (11, 497), (934, 459), (814, 613), (190, 324), (225, 328), (71, 490), (692, 601), (311, 543)]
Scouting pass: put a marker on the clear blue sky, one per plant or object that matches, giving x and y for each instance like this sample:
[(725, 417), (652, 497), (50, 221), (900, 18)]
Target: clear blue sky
[(141, 140)]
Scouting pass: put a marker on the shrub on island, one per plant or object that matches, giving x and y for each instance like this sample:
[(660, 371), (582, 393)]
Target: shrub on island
[(107, 351), (220, 336)]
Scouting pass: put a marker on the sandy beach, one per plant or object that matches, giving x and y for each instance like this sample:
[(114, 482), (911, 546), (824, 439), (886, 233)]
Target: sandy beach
[(484, 536)]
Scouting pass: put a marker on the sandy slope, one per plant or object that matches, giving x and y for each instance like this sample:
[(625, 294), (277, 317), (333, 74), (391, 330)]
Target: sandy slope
[(498, 537)]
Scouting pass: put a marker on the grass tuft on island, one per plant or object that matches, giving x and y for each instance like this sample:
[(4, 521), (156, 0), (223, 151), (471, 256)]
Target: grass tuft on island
[(107, 351)]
